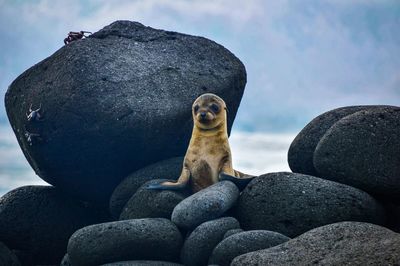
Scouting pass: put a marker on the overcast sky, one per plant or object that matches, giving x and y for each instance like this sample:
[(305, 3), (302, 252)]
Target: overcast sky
[(302, 57)]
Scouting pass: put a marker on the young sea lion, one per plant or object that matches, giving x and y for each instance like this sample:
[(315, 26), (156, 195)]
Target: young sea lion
[(208, 158)]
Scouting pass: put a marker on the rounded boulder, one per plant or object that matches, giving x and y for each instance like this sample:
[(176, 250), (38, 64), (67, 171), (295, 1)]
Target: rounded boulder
[(207, 204), (292, 204)]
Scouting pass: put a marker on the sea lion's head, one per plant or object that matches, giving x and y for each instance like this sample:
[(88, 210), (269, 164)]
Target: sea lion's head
[(209, 111)]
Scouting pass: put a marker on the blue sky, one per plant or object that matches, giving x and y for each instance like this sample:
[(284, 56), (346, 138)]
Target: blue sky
[(302, 57)]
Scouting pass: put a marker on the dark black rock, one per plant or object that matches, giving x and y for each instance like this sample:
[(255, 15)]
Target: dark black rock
[(393, 215), (301, 151), (205, 205), (147, 203), (37, 222), (201, 242), (292, 204), (362, 150), (137, 239), (116, 102), (346, 243), (232, 232), (7, 257), (142, 263), (65, 261), (167, 169), (244, 242)]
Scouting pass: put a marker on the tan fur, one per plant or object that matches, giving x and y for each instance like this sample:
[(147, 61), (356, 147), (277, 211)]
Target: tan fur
[(208, 153)]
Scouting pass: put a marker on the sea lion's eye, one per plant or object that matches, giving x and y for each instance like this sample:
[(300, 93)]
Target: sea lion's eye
[(214, 108), (196, 108)]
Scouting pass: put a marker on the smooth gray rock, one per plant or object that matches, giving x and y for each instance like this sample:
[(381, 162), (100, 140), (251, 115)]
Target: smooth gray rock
[(232, 232), (362, 150), (166, 169), (137, 239), (244, 242), (199, 245), (116, 102), (142, 263), (301, 151), (345, 243), (292, 204), (7, 257), (205, 205), (37, 222), (146, 203)]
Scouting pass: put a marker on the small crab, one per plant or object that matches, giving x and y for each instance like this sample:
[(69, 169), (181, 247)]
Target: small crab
[(34, 115), (74, 36), (31, 137)]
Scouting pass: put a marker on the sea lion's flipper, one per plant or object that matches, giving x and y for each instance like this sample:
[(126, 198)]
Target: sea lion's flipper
[(166, 185), (180, 184), (240, 182)]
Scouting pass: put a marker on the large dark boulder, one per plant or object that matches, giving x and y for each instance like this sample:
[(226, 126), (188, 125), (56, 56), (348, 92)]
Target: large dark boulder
[(37, 222), (363, 151), (116, 102), (166, 169), (136, 239), (291, 204), (301, 151), (346, 243)]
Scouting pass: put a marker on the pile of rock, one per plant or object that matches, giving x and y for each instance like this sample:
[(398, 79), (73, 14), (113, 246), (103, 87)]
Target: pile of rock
[(110, 103)]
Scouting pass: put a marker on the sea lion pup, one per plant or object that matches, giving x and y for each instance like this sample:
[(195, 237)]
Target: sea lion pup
[(208, 158)]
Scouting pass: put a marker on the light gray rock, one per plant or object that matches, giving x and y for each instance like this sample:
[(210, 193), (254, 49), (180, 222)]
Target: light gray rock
[(200, 243), (244, 242), (205, 205)]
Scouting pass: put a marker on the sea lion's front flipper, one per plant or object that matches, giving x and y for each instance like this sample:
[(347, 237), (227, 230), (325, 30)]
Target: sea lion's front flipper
[(240, 182), (167, 185), (180, 184)]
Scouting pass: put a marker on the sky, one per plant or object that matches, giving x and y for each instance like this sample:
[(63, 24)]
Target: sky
[(302, 57)]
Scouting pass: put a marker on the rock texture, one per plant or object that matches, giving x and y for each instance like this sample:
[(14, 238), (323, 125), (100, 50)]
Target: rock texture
[(292, 204), (7, 257), (362, 150), (142, 263), (301, 151), (346, 243), (200, 243), (111, 102), (37, 221), (137, 239), (244, 242), (147, 203), (166, 169), (207, 204)]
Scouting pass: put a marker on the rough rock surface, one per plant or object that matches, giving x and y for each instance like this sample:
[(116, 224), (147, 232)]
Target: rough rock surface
[(7, 257), (232, 232), (346, 243), (137, 239), (362, 150), (37, 221), (111, 103), (200, 243), (244, 242), (166, 169), (147, 203), (142, 263), (65, 261), (292, 204), (205, 205), (301, 151)]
